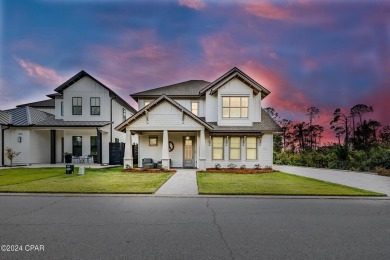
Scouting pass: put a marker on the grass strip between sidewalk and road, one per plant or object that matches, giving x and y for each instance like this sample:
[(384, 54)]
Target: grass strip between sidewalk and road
[(274, 183), (54, 180)]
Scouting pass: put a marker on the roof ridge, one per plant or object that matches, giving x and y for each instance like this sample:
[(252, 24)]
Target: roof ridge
[(28, 116)]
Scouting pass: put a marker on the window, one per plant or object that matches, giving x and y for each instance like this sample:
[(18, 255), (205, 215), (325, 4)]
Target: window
[(153, 140), (62, 108), (195, 108), (251, 148), (235, 148), (234, 107), (146, 103), (217, 148), (77, 145), (77, 108), (123, 114), (93, 145), (95, 105)]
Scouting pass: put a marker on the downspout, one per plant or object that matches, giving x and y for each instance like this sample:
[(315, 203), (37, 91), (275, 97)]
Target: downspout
[(2, 144), (111, 119)]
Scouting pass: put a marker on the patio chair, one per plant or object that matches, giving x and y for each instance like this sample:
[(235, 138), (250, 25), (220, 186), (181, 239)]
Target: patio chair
[(75, 159), (147, 163)]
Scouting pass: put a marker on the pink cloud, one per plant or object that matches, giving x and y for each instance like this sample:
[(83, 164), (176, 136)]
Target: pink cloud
[(42, 74), (194, 4), (266, 10)]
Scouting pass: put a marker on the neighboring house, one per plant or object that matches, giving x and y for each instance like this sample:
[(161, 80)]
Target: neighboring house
[(4, 122), (199, 124), (78, 119)]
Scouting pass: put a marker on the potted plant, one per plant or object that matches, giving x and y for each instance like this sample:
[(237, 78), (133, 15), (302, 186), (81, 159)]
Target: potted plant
[(94, 155), (68, 157)]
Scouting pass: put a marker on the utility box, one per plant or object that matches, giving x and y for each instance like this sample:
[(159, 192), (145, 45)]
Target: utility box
[(81, 171), (69, 168)]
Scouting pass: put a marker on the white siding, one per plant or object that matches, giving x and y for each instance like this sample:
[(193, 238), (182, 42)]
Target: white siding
[(165, 116), (211, 107), (264, 153), (155, 152), (39, 146), (57, 103), (236, 87), (117, 118), (11, 140), (87, 88)]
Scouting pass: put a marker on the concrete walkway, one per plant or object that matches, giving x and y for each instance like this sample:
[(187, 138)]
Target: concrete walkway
[(183, 182), (360, 180)]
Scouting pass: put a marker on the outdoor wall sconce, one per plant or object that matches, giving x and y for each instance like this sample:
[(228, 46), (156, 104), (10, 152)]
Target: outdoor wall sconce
[(19, 139)]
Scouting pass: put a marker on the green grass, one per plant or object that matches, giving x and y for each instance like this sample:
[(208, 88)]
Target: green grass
[(94, 181), (275, 183)]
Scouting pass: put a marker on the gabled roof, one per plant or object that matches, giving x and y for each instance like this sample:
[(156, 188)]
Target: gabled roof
[(82, 74), (48, 103), (122, 126), (235, 73), (182, 89), (4, 118)]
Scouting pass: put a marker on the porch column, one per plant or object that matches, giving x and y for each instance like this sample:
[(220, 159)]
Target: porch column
[(165, 151), (52, 146), (202, 151), (128, 159)]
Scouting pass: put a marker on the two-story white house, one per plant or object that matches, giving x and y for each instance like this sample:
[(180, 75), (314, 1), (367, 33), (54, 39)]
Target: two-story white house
[(79, 119), (198, 124)]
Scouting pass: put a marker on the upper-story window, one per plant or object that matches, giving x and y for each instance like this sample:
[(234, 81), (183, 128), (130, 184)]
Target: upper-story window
[(95, 105), (77, 108), (235, 107), (123, 114), (195, 107), (62, 108)]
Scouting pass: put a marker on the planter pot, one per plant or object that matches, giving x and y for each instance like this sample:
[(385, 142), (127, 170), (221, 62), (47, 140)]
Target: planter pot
[(68, 159)]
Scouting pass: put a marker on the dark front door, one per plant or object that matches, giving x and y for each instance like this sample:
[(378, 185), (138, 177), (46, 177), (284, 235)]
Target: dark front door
[(189, 152)]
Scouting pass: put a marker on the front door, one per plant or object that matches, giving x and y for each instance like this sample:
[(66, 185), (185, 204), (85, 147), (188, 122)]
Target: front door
[(189, 152)]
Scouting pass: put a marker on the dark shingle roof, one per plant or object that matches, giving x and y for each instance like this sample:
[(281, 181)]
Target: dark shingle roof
[(186, 88), (235, 73), (4, 118), (266, 124), (48, 103), (152, 105), (82, 74)]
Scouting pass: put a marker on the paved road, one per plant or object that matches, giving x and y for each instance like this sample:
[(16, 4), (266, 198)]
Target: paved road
[(360, 180), (195, 228), (183, 182)]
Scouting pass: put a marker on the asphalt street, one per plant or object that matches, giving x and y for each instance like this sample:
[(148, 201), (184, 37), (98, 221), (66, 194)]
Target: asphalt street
[(105, 227)]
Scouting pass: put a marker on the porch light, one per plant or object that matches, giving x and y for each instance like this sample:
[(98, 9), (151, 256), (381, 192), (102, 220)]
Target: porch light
[(187, 137)]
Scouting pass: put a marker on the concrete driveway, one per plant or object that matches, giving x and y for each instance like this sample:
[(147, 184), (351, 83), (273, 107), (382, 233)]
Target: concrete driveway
[(360, 180)]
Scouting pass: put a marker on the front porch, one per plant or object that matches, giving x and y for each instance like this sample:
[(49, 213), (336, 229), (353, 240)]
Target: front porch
[(170, 148)]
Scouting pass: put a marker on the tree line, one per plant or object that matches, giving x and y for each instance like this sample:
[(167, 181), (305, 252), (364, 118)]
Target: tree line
[(361, 144)]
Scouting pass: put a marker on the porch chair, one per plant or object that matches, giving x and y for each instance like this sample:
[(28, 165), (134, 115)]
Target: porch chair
[(147, 163)]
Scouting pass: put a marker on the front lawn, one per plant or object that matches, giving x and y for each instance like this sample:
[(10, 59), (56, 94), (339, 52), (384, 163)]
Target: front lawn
[(111, 180), (274, 183)]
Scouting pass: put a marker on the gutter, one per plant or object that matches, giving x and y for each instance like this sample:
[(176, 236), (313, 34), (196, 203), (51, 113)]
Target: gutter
[(111, 119)]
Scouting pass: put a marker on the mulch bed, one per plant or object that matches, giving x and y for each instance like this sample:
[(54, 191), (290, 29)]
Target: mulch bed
[(239, 171), (148, 171)]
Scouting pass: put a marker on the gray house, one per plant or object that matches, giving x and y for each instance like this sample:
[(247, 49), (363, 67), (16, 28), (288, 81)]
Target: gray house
[(199, 124)]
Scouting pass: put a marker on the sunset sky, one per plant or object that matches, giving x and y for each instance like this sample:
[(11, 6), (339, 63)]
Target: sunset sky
[(327, 54)]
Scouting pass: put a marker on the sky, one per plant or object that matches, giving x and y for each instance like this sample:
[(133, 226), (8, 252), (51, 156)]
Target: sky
[(329, 54)]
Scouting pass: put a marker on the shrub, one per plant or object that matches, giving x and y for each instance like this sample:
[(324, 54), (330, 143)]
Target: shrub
[(382, 171), (11, 154), (217, 166), (242, 166), (231, 166)]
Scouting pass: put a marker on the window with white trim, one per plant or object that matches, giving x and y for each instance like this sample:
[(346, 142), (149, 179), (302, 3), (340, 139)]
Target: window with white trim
[(235, 107), (235, 148), (217, 148), (251, 148), (195, 107)]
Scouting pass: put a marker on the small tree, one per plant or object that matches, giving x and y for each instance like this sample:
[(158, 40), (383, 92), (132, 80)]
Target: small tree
[(11, 154)]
